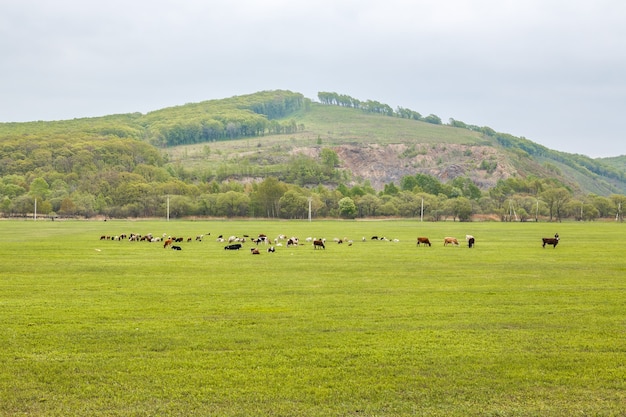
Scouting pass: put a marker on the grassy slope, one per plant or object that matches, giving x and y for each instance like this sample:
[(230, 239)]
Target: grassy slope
[(339, 125), (96, 327), (331, 125)]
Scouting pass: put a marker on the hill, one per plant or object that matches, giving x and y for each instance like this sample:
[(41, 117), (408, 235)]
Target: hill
[(212, 155), (382, 149)]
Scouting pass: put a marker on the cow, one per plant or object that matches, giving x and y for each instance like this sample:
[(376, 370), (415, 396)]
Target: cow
[(168, 242), (175, 247), (233, 246), (318, 243), (450, 240), (423, 240), (293, 241), (470, 240), (551, 240), (271, 249), (254, 251)]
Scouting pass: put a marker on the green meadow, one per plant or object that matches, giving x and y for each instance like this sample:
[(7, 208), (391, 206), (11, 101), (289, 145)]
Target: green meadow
[(94, 327)]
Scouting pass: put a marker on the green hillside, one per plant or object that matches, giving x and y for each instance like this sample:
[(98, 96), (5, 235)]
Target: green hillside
[(124, 165)]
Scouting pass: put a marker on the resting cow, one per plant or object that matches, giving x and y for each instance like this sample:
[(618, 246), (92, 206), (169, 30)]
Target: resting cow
[(551, 241), (423, 240), (233, 246)]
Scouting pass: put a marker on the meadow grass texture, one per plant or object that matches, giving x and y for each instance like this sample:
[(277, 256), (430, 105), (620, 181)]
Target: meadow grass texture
[(371, 328)]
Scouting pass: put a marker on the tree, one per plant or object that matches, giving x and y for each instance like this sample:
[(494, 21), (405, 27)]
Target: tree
[(459, 207), (368, 205), (555, 198), (233, 203), (347, 208), (39, 189), (390, 189), (294, 205), (330, 160), (620, 205), (408, 204), (268, 194)]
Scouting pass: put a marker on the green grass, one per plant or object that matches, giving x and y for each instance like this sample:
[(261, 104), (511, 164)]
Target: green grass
[(332, 126), (109, 328)]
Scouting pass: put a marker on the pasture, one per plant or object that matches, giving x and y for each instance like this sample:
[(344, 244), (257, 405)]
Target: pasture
[(96, 327)]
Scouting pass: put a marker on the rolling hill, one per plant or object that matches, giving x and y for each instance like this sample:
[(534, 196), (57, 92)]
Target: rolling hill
[(381, 149), (250, 137)]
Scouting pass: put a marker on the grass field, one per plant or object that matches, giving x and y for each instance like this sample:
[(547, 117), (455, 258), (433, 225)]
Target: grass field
[(95, 327)]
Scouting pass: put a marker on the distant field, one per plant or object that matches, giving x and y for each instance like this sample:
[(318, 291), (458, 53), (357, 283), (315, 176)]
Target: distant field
[(373, 328)]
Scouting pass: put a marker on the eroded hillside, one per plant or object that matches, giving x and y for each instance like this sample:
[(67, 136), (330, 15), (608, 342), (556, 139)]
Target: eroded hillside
[(384, 164)]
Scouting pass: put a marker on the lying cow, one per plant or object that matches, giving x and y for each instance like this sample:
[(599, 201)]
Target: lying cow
[(551, 240), (233, 246), (423, 240)]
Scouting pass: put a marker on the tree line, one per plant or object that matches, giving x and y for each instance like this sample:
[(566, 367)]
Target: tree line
[(149, 190)]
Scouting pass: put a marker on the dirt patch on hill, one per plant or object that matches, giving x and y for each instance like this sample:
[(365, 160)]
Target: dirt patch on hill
[(384, 164)]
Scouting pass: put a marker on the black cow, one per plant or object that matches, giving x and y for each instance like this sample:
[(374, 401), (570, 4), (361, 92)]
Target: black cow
[(176, 247), (318, 243), (233, 246), (551, 241)]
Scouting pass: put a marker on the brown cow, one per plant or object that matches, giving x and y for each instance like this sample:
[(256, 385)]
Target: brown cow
[(423, 240), (168, 242), (451, 241), (551, 241), (318, 243)]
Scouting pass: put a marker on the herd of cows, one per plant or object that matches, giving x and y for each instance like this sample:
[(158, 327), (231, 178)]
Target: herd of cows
[(236, 243)]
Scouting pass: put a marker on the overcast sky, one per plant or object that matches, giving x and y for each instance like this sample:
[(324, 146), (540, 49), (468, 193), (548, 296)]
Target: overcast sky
[(553, 71)]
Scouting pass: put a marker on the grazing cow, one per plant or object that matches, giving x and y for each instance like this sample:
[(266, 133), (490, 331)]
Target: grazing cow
[(233, 246), (551, 241), (424, 241), (271, 249), (450, 241), (318, 243), (168, 242), (470, 240), (254, 251), (176, 247)]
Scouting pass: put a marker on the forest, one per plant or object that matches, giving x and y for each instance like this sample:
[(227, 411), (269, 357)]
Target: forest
[(115, 167)]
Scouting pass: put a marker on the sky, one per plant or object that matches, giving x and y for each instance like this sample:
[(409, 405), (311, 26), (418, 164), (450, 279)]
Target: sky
[(552, 71)]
